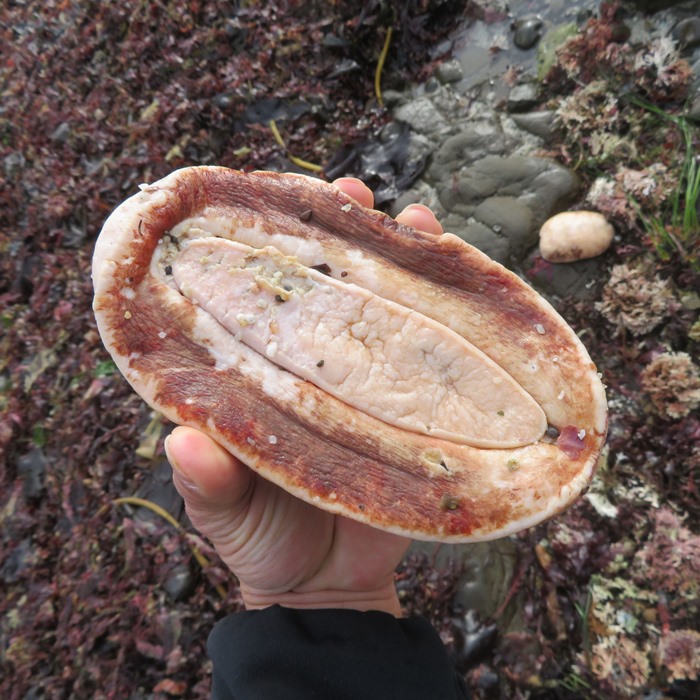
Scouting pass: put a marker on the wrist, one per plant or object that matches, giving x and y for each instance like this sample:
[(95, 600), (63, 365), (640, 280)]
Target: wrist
[(383, 599)]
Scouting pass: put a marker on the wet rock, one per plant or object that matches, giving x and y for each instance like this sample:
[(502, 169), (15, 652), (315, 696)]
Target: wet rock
[(550, 42), (488, 571), (655, 5), (522, 98), (472, 143), (31, 468), (488, 241), (449, 71), (687, 32), (511, 219), (61, 133), (694, 110), (495, 203), (577, 279), (13, 164), (346, 66), (422, 116), (274, 108), (21, 558), (476, 639), (158, 488), (575, 235), (543, 124), (527, 32), (180, 582), (541, 184)]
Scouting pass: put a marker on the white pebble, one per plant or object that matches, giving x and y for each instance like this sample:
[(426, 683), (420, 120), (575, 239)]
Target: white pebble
[(346, 207), (575, 235), (272, 439), (540, 328)]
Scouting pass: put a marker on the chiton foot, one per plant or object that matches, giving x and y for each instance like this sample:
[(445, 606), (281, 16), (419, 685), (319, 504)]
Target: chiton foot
[(397, 377)]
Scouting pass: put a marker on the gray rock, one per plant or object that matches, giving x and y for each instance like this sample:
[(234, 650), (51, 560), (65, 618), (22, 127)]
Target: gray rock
[(423, 193), (32, 467), (655, 5), (449, 71), (527, 32), (537, 180), (488, 573), (522, 98), (13, 163), (551, 191), (473, 143), (687, 32), (543, 124), (158, 488), (510, 218), (488, 241), (422, 116), (693, 111), (504, 201), (394, 98), (61, 133), (18, 561), (565, 280), (180, 582)]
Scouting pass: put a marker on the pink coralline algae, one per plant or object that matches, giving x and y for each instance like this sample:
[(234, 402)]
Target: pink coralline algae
[(635, 299), (672, 381)]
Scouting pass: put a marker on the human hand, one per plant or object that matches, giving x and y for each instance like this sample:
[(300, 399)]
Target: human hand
[(285, 551)]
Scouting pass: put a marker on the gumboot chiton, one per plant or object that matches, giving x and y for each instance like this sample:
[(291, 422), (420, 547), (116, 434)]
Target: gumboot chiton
[(399, 378)]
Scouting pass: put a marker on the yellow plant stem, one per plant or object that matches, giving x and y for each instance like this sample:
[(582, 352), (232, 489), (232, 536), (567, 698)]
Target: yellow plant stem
[(201, 559), (297, 161), (380, 67)]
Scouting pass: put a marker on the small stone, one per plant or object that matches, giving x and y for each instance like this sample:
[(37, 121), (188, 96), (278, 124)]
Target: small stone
[(422, 116), (687, 32), (527, 32), (449, 71), (544, 124), (180, 583), (693, 112), (575, 235), (61, 133), (32, 467), (522, 98)]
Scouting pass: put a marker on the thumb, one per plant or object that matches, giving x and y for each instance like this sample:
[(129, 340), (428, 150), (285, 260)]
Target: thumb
[(215, 485)]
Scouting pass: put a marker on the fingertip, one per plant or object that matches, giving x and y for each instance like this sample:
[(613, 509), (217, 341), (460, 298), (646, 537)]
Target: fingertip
[(420, 217), (201, 465), (356, 189)]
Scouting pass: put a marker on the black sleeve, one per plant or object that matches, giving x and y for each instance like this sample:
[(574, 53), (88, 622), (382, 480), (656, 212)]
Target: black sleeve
[(287, 654)]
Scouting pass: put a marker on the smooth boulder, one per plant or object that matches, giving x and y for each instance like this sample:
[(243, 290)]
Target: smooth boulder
[(575, 235)]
